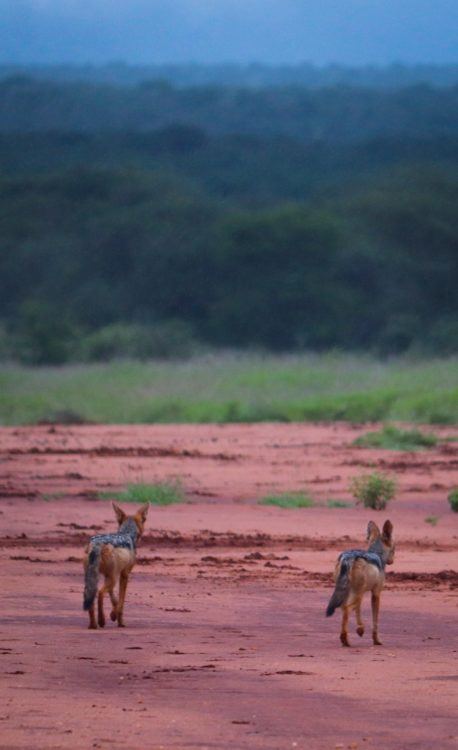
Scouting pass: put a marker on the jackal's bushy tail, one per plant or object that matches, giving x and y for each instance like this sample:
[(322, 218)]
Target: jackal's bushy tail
[(91, 578), (341, 590)]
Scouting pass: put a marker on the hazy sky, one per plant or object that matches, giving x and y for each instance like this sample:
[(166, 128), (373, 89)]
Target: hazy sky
[(273, 31)]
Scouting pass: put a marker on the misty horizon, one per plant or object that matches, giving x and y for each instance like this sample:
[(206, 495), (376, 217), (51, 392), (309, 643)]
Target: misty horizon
[(351, 33)]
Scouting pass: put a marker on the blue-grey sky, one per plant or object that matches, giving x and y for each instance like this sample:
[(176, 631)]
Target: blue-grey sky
[(352, 32)]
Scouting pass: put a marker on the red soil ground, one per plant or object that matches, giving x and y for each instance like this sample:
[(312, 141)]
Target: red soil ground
[(227, 645)]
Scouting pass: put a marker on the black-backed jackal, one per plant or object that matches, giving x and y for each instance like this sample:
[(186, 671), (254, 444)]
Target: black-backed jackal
[(114, 556), (358, 571)]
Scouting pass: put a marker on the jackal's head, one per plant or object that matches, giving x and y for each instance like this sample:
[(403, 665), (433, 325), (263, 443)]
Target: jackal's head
[(139, 517), (381, 542)]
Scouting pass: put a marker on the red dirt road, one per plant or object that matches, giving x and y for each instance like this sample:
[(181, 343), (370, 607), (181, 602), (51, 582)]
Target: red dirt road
[(227, 645)]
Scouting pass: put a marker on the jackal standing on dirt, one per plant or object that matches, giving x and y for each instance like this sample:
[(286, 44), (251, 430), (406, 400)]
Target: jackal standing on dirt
[(114, 556), (358, 571)]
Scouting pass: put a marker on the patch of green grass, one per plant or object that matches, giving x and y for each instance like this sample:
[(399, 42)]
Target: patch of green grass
[(48, 496), (339, 504), (373, 490), (289, 500), (433, 520), (234, 387), (453, 500), (392, 438), (160, 493)]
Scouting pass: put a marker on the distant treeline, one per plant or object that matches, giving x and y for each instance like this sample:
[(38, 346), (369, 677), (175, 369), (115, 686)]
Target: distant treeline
[(243, 170), (255, 75), (154, 221), (336, 114)]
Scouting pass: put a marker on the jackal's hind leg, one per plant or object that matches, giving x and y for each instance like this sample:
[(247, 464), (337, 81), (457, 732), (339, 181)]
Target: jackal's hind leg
[(107, 587), (359, 619), (92, 621), (375, 602), (114, 602), (100, 612), (123, 581), (344, 627)]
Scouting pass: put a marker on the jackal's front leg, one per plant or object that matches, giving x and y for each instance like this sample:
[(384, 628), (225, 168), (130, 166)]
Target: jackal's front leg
[(375, 603)]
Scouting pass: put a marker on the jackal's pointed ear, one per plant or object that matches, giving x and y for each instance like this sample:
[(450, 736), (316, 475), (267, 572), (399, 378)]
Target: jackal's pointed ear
[(143, 512), (387, 532), (120, 515), (373, 531)]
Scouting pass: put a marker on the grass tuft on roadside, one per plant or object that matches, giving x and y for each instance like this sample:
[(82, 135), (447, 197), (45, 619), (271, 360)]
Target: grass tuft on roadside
[(288, 500), (159, 493), (339, 504), (395, 439)]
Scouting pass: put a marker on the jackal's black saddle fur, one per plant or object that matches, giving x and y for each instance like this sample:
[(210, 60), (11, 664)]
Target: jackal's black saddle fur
[(354, 554), (125, 537)]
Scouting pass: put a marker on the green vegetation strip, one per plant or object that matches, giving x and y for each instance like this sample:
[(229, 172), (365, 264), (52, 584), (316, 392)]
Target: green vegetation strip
[(231, 387)]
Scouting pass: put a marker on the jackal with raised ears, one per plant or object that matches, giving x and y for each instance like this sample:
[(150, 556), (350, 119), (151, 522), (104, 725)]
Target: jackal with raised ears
[(358, 571), (113, 555)]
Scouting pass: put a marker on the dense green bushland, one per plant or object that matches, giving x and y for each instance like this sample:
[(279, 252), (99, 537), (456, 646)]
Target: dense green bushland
[(335, 113), (149, 221), (242, 170), (374, 267)]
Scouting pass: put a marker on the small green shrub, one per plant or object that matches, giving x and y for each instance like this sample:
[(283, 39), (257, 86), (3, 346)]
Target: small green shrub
[(6, 353), (394, 439), (373, 490), (338, 504), (288, 500), (43, 334), (62, 416), (453, 500), (160, 493), (433, 520)]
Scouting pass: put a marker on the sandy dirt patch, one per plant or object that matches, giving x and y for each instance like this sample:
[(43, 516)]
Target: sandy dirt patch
[(227, 645)]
